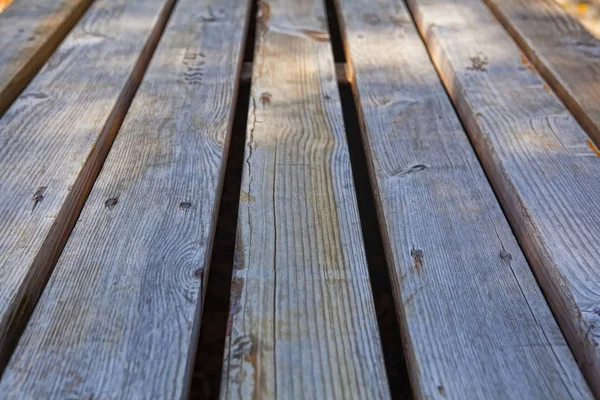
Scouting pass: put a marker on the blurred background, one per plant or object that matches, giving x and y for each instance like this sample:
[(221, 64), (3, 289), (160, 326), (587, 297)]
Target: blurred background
[(587, 11), (4, 4)]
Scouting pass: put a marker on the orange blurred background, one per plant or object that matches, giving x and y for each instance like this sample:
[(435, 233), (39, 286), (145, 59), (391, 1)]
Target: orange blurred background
[(4, 4)]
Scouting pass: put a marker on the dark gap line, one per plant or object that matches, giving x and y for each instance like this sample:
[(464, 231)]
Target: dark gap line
[(335, 33), (206, 377), (251, 34), (387, 317), (37, 61), (54, 243), (385, 307)]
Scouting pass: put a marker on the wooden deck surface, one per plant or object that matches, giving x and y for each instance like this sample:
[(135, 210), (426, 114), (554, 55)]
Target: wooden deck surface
[(301, 283), (133, 267), (480, 122), (446, 238)]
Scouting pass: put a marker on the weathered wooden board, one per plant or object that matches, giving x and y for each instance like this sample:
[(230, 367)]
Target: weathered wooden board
[(120, 315), (30, 30), (54, 138), (562, 50), (454, 260), (543, 167), (302, 322)]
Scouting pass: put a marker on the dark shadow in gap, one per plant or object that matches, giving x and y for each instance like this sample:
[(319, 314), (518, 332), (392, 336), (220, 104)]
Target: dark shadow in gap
[(387, 317), (335, 33), (251, 36), (206, 377), (385, 307)]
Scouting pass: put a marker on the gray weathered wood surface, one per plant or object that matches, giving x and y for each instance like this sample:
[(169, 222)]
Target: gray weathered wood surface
[(120, 315), (475, 322), (53, 140), (543, 167), (561, 49), (302, 322), (30, 30)]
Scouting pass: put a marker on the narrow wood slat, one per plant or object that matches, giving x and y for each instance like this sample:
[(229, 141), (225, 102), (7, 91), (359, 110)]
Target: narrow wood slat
[(543, 167), (30, 30), (302, 320), (475, 322), (565, 53), (120, 315), (54, 138)]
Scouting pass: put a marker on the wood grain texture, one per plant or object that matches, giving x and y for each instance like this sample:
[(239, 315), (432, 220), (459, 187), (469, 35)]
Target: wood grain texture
[(543, 167), (475, 322), (562, 50), (302, 319), (53, 141), (30, 30), (120, 315)]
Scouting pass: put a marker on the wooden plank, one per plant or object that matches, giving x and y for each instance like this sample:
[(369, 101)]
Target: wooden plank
[(30, 30), (120, 315), (563, 51), (53, 141), (543, 167), (302, 320), (454, 260)]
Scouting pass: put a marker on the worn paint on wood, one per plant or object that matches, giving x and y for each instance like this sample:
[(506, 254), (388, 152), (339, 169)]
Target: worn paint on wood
[(30, 30), (535, 154), (565, 53), (120, 315), (53, 141), (475, 322), (302, 321)]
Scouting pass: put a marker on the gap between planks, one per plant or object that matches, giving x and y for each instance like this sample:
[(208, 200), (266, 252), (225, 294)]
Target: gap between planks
[(341, 73)]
